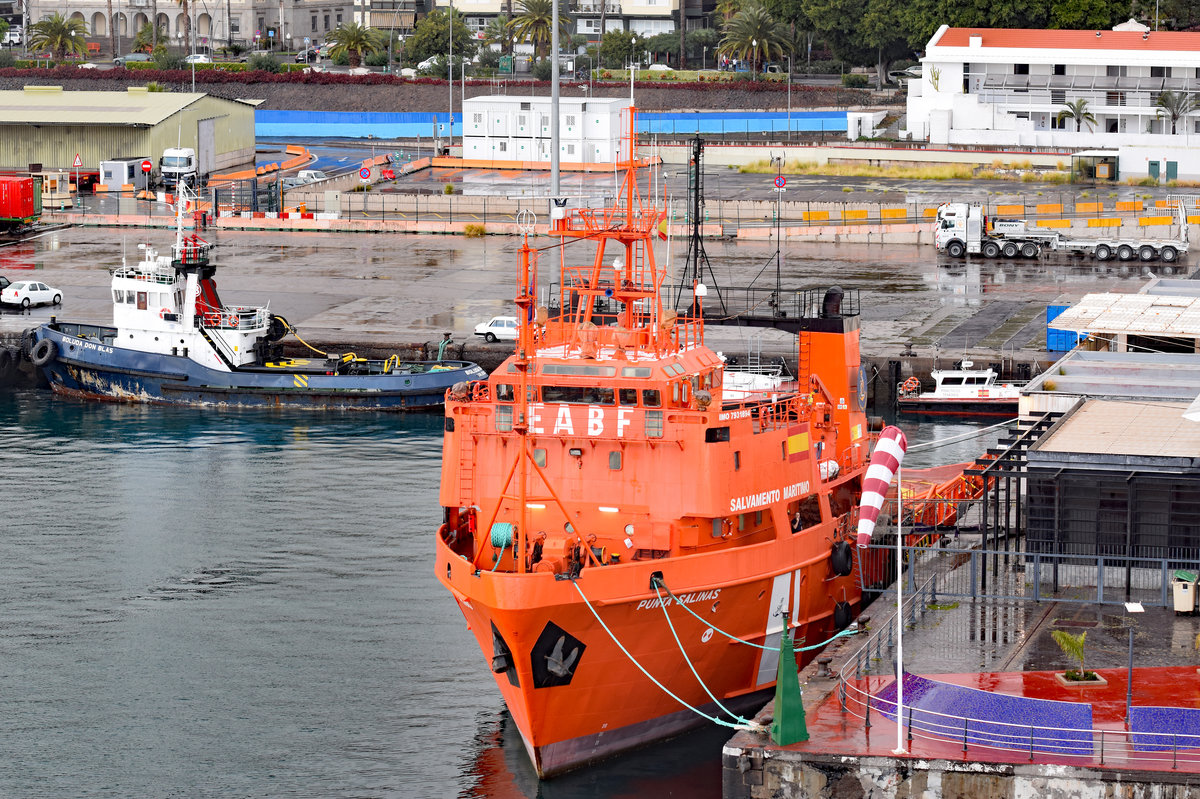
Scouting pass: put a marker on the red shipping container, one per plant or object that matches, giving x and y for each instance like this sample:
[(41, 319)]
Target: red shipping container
[(16, 198)]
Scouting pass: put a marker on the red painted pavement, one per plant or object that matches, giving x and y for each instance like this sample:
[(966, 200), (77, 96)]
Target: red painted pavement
[(832, 731)]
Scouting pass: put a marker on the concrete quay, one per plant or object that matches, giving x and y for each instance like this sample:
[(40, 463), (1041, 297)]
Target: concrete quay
[(1001, 646)]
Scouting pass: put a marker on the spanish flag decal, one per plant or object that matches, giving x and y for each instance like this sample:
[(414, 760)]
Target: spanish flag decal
[(797, 443)]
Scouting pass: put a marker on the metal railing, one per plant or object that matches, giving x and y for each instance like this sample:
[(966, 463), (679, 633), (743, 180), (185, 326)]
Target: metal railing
[(932, 575)]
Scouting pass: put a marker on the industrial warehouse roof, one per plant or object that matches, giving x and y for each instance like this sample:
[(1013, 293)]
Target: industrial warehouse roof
[(50, 105), (1148, 314), (1155, 376), (1120, 430)]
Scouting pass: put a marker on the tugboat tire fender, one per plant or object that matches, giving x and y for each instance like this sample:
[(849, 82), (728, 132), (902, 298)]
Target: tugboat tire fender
[(43, 352), (841, 558)]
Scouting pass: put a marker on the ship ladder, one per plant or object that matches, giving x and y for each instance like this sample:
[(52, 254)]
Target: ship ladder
[(804, 359), (466, 470)]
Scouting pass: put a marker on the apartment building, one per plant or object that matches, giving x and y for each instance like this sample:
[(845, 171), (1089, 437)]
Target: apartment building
[(257, 23), (1007, 86), (645, 17)]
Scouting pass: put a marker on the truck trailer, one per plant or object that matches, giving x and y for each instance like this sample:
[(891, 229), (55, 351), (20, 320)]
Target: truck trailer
[(964, 229)]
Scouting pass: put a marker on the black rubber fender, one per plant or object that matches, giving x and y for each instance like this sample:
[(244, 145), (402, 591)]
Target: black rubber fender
[(44, 352), (28, 339), (843, 614), (6, 361), (841, 558)]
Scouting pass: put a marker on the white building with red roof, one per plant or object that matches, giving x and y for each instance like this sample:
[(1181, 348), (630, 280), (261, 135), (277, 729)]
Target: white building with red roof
[(1005, 87)]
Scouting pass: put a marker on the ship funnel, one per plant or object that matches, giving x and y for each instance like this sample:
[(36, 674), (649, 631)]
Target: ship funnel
[(831, 306)]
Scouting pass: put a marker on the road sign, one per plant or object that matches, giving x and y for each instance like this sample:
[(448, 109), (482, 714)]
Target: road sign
[(305, 41), (364, 173), (78, 161), (780, 181), (147, 165)]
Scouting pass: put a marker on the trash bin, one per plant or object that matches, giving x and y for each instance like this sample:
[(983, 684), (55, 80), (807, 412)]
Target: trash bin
[(1184, 586)]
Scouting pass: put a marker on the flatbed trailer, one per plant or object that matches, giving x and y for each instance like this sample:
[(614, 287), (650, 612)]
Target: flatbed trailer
[(964, 229)]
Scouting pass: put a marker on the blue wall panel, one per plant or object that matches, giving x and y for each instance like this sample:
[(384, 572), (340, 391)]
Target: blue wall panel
[(273, 124)]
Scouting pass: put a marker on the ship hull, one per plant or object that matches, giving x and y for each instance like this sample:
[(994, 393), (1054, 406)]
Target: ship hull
[(1006, 408), (588, 667), (83, 366)]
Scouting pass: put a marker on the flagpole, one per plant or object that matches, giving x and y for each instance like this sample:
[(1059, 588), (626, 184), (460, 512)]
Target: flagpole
[(899, 750)]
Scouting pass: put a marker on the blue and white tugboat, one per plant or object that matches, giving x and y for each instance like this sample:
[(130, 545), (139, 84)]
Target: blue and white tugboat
[(174, 341)]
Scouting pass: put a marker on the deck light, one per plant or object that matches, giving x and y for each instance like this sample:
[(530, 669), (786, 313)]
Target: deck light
[(606, 509), (575, 451)]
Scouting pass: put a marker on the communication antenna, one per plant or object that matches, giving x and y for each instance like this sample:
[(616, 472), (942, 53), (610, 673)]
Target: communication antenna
[(696, 261)]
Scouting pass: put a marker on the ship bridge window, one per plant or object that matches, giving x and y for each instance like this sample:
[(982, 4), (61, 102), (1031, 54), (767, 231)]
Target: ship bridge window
[(976, 381), (539, 457), (651, 398), (636, 371), (715, 434), (614, 461), (952, 381), (504, 419), (654, 424), (504, 392), (580, 371), (585, 395), (627, 396)]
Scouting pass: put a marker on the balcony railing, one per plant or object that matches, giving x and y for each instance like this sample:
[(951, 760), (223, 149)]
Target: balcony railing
[(594, 8)]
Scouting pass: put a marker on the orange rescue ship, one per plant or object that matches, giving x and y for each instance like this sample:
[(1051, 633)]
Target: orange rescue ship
[(624, 521)]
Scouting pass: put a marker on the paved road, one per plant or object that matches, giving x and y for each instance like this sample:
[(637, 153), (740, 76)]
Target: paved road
[(411, 288)]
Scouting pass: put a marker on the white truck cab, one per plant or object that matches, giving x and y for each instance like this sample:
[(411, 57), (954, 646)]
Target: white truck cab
[(178, 165)]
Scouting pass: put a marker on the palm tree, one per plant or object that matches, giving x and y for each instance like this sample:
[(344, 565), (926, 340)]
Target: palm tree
[(534, 22), (1077, 111), (497, 32), (187, 25), (59, 35), (355, 40), (728, 9), (1175, 106), (154, 19), (147, 38), (754, 35)]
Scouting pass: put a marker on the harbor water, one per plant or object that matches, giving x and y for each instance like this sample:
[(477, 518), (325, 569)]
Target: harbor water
[(218, 603)]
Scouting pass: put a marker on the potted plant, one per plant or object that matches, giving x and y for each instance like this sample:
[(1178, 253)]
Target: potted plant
[(1072, 647)]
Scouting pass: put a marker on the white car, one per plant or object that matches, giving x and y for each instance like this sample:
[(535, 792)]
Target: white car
[(500, 327), (198, 58), (659, 68), (29, 292)]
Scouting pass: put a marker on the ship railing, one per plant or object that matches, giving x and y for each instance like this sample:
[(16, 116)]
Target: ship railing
[(156, 274), (234, 317)]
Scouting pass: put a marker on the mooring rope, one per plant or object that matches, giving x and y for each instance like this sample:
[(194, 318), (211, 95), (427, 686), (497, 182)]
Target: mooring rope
[(688, 660), (752, 727), (732, 637)]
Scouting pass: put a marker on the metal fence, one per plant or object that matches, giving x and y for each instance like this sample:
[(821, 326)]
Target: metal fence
[(937, 573)]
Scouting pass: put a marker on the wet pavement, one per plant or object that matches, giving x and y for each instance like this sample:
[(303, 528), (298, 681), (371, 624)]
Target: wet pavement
[(411, 288)]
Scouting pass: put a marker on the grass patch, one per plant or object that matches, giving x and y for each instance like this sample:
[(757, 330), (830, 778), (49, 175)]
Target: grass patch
[(943, 605), (474, 231), (902, 171)]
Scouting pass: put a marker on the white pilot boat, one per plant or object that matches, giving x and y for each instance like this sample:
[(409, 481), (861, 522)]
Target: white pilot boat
[(964, 391)]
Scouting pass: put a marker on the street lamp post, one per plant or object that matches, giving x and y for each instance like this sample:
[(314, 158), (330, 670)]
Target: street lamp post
[(789, 94), (450, 67), (754, 56), (1130, 608)]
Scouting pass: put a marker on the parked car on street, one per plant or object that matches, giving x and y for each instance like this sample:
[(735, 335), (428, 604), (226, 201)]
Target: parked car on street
[(198, 58), (29, 292), (12, 36), (499, 327), (129, 58), (307, 55), (659, 68), (4, 282)]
